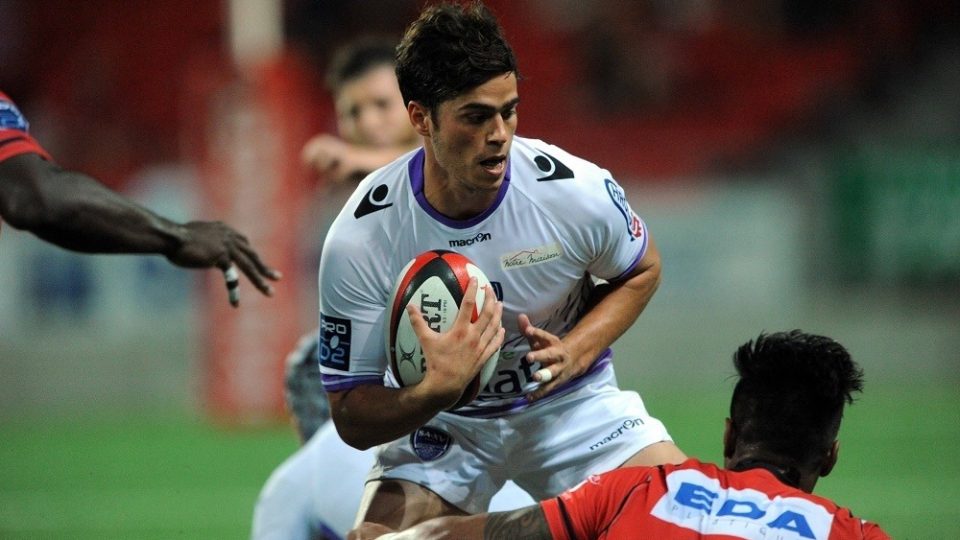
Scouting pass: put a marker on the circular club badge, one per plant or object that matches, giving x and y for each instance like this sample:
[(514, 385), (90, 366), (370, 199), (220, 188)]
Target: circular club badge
[(430, 443)]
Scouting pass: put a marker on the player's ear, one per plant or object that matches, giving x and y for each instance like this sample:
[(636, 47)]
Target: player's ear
[(729, 439), (420, 118), (830, 459)]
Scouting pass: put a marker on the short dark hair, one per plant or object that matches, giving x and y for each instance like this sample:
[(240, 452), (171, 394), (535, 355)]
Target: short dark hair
[(358, 57), (790, 396), (450, 49)]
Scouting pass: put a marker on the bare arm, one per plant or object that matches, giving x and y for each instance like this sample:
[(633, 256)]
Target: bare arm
[(608, 318), (522, 524), (340, 160), (74, 211), (369, 415)]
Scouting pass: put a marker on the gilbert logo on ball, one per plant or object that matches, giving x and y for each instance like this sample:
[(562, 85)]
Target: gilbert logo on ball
[(435, 282)]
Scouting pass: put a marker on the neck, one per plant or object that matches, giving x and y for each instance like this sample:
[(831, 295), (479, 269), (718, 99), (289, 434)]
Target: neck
[(454, 197), (785, 473)]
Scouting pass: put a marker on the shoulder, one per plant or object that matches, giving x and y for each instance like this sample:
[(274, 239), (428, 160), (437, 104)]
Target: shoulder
[(544, 163), (373, 212), (557, 180)]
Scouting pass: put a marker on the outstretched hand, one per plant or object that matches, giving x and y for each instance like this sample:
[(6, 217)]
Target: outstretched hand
[(549, 351), (209, 244), (456, 356)]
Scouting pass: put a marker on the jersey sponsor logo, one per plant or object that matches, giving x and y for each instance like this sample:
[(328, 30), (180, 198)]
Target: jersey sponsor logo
[(619, 198), (480, 237), (430, 443), (373, 201), (697, 502), (11, 118), (627, 425), (334, 342), (552, 167), (530, 257)]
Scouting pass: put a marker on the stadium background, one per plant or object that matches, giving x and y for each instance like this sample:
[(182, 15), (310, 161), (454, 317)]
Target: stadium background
[(798, 163)]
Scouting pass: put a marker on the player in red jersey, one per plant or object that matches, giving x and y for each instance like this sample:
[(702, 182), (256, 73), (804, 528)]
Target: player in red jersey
[(74, 211), (779, 440)]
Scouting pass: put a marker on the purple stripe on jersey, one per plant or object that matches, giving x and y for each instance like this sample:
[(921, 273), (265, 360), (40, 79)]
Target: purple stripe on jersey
[(636, 261), (634, 264), (336, 383), (326, 532), (602, 362), (417, 182)]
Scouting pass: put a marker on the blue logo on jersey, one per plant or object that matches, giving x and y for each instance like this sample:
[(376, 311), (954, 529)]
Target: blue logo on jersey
[(619, 198), (11, 118), (700, 498), (334, 342), (430, 443)]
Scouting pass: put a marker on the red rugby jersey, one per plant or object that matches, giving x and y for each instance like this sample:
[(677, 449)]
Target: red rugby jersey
[(698, 500), (14, 136)]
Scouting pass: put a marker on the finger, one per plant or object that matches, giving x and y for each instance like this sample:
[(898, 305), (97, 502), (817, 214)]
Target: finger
[(261, 266), (492, 324), (543, 375), (545, 387), (494, 345), (469, 303), (249, 269), (233, 285), (492, 310), (420, 326)]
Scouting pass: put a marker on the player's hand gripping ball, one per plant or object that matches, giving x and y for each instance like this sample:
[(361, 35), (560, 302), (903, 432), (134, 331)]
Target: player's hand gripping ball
[(434, 282)]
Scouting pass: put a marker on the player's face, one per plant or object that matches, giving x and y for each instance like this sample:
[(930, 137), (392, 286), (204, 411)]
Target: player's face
[(473, 133), (371, 112)]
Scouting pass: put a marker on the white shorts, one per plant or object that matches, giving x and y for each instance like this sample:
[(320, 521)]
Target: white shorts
[(546, 448)]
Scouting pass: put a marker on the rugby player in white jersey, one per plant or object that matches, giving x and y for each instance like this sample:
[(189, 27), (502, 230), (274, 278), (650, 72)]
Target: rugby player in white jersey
[(543, 225), (315, 493)]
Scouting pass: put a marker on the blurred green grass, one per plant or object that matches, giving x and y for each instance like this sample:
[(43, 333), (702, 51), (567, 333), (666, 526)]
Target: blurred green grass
[(175, 476)]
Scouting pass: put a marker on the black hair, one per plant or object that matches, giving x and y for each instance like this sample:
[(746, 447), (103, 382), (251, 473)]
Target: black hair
[(450, 49), (357, 58), (790, 396)]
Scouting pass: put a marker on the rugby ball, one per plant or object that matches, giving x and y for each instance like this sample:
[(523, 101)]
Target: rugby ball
[(434, 281)]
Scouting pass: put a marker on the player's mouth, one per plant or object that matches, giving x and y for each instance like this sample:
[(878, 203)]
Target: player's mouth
[(495, 165)]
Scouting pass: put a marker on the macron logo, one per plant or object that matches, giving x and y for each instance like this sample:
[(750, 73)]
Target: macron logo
[(480, 237)]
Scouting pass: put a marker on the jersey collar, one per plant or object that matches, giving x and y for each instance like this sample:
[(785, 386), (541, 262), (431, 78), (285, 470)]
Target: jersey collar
[(415, 168)]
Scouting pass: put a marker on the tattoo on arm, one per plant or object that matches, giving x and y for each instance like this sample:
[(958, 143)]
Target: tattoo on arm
[(523, 524)]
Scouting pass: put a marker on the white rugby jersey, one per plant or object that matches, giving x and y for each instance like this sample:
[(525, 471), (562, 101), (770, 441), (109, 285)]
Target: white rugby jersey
[(557, 221)]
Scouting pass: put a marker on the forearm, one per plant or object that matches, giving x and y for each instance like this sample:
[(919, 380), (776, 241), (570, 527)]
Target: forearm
[(528, 523), (612, 314), (369, 415), (76, 212)]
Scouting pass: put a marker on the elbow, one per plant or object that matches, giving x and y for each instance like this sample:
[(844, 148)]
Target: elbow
[(355, 439)]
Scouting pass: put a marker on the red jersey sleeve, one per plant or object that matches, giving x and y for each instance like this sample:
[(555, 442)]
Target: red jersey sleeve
[(15, 138), (588, 509)]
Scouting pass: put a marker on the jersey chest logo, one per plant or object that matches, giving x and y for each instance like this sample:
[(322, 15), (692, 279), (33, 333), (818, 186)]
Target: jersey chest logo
[(373, 201), (552, 167)]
